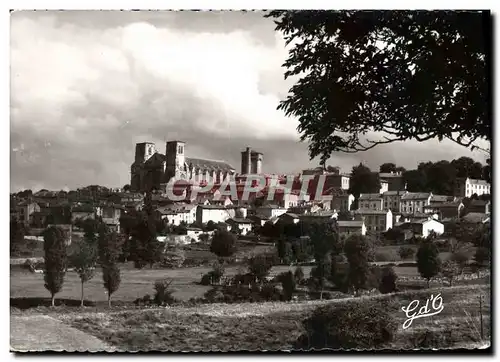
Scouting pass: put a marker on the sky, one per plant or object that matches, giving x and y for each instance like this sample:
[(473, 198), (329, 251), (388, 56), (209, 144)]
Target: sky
[(86, 86)]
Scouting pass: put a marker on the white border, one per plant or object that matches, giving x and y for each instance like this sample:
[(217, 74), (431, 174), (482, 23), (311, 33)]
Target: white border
[(181, 4)]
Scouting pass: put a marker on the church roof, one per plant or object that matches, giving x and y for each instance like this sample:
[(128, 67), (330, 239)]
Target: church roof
[(208, 164)]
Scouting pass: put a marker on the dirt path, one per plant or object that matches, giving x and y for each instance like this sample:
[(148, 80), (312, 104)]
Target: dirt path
[(44, 333)]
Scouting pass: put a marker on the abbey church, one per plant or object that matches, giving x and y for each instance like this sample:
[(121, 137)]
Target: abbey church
[(154, 170)]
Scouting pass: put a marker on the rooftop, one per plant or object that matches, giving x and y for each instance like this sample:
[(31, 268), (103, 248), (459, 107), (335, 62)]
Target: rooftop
[(350, 223), (370, 197), (416, 196)]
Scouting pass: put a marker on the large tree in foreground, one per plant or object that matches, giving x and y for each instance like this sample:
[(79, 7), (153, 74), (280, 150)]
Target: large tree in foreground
[(406, 74), (55, 260)]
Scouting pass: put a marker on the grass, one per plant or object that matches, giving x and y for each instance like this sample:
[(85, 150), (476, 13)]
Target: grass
[(276, 326)]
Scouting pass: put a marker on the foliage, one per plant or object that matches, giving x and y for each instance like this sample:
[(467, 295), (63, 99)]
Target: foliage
[(17, 233), (363, 181), (172, 257), (288, 282), (54, 245), (352, 325), (406, 252), (109, 253), (450, 269), (163, 293), (460, 258), (357, 253), (223, 243), (84, 260), (388, 280), (382, 256), (482, 256), (298, 274), (428, 262), (404, 74), (260, 266)]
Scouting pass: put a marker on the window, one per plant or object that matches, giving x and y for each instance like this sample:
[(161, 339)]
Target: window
[(180, 150)]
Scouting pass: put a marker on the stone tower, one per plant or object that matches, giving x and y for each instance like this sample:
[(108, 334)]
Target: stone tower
[(175, 160), (143, 151)]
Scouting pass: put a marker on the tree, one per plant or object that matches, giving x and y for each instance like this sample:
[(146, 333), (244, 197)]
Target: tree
[(298, 274), (387, 167), (428, 262), (449, 270), (403, 74), (467, 167), (126, 188), (406, 252), (211, 226), (288, 283), (482, 256), (260, 266), (109, 252), (357, 253), (84, 260), (388, 280), (223, 244), (363, 181), (17, 233), (441, 178), (460, 258), (55, 263), (415, 181)]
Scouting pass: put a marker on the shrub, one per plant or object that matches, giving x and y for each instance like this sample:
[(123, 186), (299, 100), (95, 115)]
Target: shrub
[(146, 299), (388, 280), (223, 244), (206, 279), (406, 252), (288, 283), (460, 258), (270, 293), (259, 266), (352, 325), (163, 293), (299, 275), (381, 256)]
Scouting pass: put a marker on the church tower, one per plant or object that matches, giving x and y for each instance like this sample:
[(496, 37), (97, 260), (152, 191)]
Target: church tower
[(175, 160)]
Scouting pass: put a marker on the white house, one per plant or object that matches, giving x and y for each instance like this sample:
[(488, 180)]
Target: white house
[(424, 227), (177, 213), (469, 186), (384, 186), (243, 226), (414, 202), (375, 220), (270, 211), (371, 201), (216, 213), (350, 227)]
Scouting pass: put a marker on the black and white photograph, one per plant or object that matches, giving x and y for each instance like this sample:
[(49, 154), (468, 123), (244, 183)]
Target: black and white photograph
[(250, 180)]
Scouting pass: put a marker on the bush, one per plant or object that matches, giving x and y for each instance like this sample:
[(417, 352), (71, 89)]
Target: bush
[(299, 275), (270, 293), (163, 293), (260, 266), (362, 325), (206, 279), (381, 256), (388, 280), (288, 283), (406, 252)]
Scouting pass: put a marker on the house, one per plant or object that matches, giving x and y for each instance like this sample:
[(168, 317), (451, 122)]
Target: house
[(216, 213), (289, 218), (413, 202), (240, 225), (177, 213), (308, 208), (25, 209), (322, 216), (449, 209), (270, 211), (375, 220), (259, 219), (423, 227), (111, 216), (394, 180), (126, 197), (481, 206), (466, 187), (82, 212), (384, 186), (392, 200), (342, 202), (371, 201), (439, 199), (350, 227)]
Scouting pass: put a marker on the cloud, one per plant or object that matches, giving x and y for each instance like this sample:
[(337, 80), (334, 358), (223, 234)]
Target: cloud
[(86, 86)]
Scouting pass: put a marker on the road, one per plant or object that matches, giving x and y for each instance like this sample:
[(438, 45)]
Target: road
[(43, 333)]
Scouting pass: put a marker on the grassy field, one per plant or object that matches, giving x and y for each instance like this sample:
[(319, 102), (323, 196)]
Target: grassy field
[(276, 326)]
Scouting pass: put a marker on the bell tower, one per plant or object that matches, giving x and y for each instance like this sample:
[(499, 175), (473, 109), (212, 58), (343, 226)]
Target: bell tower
[(175, 160)]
